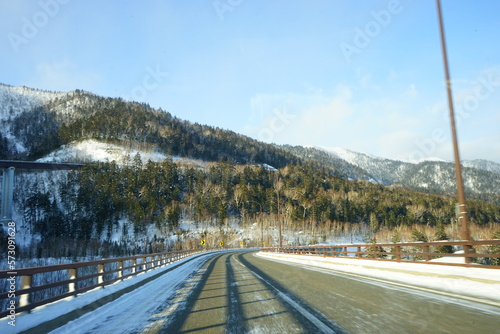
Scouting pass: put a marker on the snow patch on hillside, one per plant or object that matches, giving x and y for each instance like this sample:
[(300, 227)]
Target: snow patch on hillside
[(15, 100), (92, 150), (486, 165), (347, 155)]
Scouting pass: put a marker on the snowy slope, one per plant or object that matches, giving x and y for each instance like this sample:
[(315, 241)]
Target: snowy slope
[(15, 100), (364, 160), (384, 171), (486, 165), (92, 151), (480, 176), (350, 156)]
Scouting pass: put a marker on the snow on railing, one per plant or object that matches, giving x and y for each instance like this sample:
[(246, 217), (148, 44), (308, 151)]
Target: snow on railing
[(484, 253), (74, 278)]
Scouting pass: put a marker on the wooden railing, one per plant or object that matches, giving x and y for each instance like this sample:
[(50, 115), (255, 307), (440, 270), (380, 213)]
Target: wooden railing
[(76, 277), (484, 253)]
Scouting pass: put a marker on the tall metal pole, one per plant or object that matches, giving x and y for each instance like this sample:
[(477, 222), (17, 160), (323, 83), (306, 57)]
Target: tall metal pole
[(463, 217)]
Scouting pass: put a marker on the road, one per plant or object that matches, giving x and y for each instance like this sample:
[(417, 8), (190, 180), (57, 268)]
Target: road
[(238, 292), (242, 293)]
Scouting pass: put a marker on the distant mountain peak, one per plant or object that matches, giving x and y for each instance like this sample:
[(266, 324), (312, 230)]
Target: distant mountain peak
[(38, 124), (429, 174)]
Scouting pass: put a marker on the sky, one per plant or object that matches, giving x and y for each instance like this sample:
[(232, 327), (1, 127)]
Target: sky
[(366, 75)]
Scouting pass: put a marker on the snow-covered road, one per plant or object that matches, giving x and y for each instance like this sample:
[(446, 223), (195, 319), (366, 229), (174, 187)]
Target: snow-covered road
[(129, 313), (477, 284), (245, 292)]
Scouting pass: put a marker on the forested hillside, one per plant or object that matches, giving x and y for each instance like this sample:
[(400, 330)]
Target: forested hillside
[(481, 177), (127, 206), (161, 195), (33, 133)]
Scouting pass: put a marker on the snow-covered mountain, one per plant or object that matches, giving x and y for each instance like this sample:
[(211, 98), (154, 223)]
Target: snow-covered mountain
[(486, 165), (132, 205), (480, 176), (13, 102), (80, 126)]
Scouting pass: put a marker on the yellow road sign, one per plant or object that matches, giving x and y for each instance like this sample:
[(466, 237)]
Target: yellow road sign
[(203, 242), (221, 243)]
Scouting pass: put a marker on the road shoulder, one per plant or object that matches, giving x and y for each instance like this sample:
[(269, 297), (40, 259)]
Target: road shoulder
[(477, 284)]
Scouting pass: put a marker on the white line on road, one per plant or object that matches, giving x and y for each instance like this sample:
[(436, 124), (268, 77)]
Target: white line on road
[(454, 298), (318, 323)]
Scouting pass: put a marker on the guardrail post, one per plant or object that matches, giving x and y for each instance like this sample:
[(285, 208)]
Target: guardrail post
[(358, 252), (398, 253), (100, 270), (24, 299), (120, 269), (345, 252), (71, 276), (144, 264), (134, 266), (468, 250), (426, 252)]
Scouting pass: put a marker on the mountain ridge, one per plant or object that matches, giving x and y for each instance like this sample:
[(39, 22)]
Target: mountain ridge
[(36, 124), (480, 176), (152, 177), (351, 157)]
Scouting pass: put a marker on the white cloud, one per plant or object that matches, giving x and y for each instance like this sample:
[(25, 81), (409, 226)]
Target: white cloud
[(395, 125), (411, 92), (482, 148), (306, 118), (64, 76)]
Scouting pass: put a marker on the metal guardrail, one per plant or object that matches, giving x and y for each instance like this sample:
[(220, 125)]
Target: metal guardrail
[(415, 252), (99, 273)]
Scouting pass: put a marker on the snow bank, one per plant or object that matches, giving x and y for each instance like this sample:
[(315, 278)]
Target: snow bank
[(54, 310), (470, 283)]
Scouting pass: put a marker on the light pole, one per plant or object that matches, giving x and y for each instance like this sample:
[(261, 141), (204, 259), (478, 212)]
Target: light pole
[(463, 217)]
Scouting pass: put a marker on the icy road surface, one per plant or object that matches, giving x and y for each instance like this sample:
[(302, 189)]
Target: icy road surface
[(238, 292)]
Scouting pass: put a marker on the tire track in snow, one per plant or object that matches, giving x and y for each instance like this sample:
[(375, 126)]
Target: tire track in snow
[(308, 316)]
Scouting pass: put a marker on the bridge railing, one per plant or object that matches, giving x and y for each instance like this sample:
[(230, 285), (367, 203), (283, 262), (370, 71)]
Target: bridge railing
[(483, 253), (66, 280)]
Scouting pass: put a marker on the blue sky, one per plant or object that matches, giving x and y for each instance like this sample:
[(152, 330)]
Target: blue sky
[(366, 75)]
